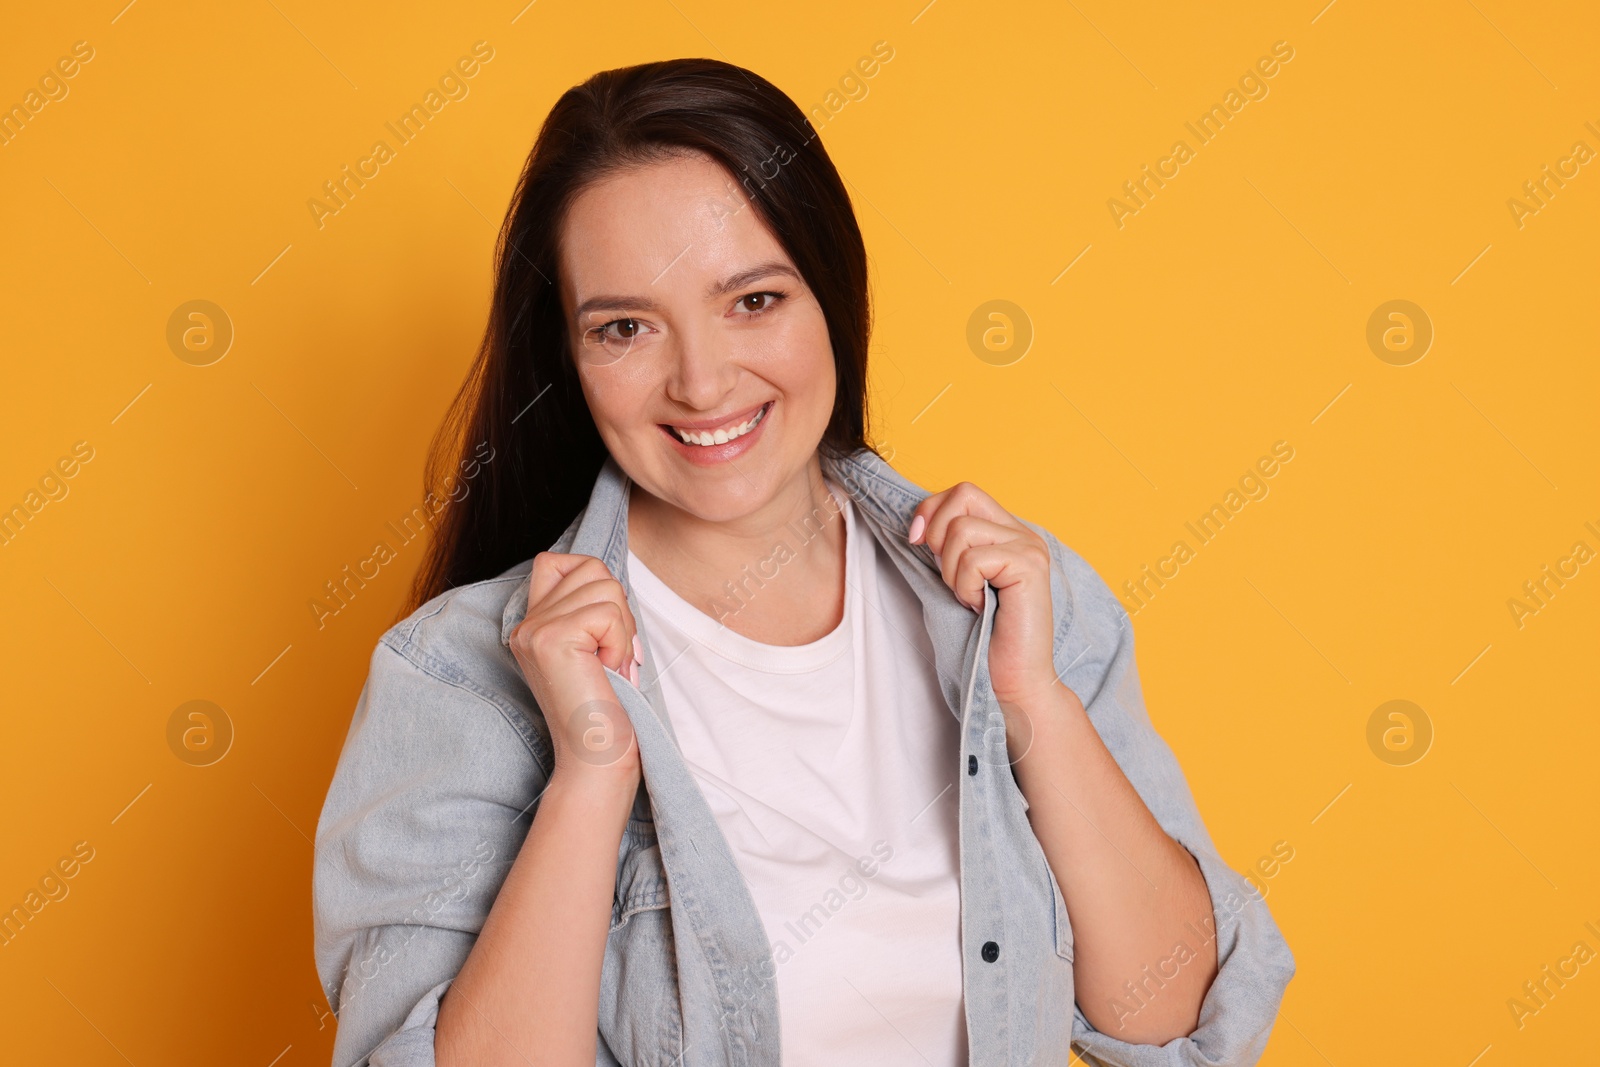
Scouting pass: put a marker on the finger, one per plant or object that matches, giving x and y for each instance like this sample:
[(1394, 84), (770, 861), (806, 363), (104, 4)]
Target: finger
[(917, 529), (601, 628), (568, 572), (549, 568), (963, 498), (1000, 565), (962, 534), (574, 581), (565, 601), (585, 571)]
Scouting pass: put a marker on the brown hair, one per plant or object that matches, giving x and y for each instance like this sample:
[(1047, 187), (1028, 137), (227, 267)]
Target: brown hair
[(521, 403)]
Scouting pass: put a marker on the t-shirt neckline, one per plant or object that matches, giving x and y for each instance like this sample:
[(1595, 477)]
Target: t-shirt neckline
[(707, 631)]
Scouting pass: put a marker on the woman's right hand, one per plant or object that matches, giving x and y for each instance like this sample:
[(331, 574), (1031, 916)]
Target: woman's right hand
[(531, 984), (578, 620)]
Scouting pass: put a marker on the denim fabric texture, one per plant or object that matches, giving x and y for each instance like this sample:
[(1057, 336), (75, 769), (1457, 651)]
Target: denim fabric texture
[(447, 754)]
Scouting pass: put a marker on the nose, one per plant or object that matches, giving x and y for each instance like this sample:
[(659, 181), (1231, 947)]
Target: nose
[(703, 370)]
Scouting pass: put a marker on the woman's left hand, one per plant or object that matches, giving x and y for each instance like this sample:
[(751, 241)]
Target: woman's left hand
[(976, 540)]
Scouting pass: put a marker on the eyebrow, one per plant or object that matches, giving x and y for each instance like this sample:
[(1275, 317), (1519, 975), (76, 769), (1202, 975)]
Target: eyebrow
[(730, 284)]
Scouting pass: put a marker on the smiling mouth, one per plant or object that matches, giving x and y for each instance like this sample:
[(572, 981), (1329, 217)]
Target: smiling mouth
[(721, 435)]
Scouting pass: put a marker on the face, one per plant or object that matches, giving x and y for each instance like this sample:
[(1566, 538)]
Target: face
[(686, 316)]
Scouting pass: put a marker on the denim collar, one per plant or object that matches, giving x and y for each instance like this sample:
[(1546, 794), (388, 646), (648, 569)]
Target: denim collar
[(720, 944), (885, 499)]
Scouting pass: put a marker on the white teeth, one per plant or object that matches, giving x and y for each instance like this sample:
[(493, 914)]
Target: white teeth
[(720, 437)]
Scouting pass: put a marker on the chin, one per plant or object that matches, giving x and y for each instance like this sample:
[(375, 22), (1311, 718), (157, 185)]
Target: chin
[(723, 496), (716, 494)]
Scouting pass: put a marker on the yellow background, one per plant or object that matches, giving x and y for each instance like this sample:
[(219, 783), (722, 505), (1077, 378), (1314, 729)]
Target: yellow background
[(1228, 314)]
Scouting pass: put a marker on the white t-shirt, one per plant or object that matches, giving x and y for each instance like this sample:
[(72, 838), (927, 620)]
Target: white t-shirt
[(831, 770)]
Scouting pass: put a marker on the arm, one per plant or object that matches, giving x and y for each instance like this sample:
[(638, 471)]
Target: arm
[(1115, 819), (428, 807), (529, 991), (1132, 892), (1094, 658), (425, 812)]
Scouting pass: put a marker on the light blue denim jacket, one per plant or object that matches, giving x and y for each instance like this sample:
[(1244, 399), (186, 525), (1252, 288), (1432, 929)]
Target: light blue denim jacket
[(447, 754)]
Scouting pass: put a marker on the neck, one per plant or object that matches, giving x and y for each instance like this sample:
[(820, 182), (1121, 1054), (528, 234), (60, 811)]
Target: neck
[(775, 575)]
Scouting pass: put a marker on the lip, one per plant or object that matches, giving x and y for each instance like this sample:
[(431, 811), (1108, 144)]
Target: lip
[(736, 418), (711, 455)]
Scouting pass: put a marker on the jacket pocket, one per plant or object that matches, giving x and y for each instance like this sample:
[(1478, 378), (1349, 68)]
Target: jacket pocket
[(641, 877), (641, 1017), (1063, 923)]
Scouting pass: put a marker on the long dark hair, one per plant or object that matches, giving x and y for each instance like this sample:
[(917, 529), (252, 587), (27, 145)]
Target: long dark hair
[(521, 405)]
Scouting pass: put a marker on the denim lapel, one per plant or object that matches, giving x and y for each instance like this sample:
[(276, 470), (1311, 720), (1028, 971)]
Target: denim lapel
[(720, 941), (885, 499)]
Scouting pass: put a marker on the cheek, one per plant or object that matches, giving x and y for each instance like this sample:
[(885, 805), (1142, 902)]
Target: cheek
[(799, 360), (605, 405), (822, 372), (615, 392)]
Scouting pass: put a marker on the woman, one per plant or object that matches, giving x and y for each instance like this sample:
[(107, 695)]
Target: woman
[(715, 738)]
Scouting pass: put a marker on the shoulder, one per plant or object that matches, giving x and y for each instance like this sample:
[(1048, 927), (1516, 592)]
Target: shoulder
[(446, 751), (460, 627), (1081, 599), (448, 654), (1093, 638), (1087, 613)]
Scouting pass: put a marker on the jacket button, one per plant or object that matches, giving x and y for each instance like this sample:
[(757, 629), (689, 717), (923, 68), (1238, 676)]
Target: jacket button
[(972, 764), (991, 952)]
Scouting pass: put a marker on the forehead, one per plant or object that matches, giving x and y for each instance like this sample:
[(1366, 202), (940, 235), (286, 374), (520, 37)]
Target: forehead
[(660, 228)]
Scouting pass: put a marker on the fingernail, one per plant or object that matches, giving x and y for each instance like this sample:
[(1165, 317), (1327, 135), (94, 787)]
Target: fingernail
[(638, 649), (633, 673), (917, 526)]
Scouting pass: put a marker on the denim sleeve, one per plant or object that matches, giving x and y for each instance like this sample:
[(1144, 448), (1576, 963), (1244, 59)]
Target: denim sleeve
[(430, 801), (1253, 960)]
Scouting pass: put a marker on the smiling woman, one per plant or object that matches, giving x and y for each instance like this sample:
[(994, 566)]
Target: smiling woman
[(673, 380), (712, 380)]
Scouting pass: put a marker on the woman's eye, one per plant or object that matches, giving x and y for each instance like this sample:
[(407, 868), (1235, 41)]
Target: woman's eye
[(616, 330), (755, 303)]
